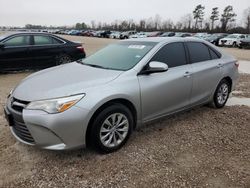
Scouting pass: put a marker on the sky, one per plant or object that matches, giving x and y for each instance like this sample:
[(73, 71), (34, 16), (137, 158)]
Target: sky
[(69, 12)]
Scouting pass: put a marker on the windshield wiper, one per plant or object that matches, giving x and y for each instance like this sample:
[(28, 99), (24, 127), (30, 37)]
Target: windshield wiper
[(91, 65)]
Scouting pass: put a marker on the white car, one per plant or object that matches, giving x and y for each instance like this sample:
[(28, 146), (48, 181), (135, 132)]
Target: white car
[(138, 35), (231, 40), (115, 35)]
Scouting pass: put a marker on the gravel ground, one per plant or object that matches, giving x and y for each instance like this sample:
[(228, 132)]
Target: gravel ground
[(241, 54), (203, 147), (243, 87)]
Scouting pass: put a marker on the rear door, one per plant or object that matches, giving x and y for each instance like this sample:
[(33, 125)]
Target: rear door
[(14, 55), (206, 71), (166, 92), (44, 50)]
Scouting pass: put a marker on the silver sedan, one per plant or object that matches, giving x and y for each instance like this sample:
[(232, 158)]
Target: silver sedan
[(100, 100)]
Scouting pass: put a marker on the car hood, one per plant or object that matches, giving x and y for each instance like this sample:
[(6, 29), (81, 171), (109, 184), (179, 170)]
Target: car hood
[(60, 81)]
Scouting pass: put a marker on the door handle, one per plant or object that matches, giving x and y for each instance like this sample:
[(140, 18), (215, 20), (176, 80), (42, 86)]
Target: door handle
[(219, 65), (187, 74)]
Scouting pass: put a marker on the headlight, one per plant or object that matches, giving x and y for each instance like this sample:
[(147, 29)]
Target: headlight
[(10, 93), (55, 105)]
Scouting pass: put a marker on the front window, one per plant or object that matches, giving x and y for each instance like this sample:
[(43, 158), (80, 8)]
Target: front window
[(18, 41), (121, 56)]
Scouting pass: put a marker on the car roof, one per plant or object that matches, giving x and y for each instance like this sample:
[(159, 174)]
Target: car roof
[(6, 35), (166, 39), (26, 33)]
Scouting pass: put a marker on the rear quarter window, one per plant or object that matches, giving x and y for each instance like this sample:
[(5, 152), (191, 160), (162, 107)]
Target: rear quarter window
[(198, 52), (213, 54)]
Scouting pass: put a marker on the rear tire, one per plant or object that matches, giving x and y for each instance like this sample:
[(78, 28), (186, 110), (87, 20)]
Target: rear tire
[(111, 128), (63, 59), (221, 94)]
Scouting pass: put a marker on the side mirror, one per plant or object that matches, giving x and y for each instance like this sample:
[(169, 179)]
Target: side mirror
[(154, 67), (1, 45)]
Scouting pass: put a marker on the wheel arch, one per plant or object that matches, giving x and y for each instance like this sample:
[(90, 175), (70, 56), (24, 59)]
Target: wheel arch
[(229, 80), (122, 101)]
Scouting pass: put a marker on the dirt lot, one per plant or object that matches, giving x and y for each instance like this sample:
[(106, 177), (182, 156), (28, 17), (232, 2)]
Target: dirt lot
[(203, 147)]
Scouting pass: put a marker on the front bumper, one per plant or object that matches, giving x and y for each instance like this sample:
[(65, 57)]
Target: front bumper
[(60, 131), (226, 43)]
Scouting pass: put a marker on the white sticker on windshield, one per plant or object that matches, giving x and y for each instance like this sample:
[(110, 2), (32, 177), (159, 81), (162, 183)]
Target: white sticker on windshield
[(139, 47)]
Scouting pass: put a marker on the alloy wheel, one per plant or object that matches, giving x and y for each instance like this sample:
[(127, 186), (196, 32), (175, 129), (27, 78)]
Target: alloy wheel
[(114, 130), (223, 93)]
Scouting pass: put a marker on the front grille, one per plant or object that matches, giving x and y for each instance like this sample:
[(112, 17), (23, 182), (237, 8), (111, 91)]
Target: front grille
[(22, 132), (18, 105), (19, 128)]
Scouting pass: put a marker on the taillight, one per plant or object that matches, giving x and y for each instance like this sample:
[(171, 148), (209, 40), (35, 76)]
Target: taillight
[(237, 64), (80, 48)]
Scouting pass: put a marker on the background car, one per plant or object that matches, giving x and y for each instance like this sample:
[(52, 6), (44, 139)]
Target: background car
[(179, 34), (115, 35), (87, 33), (155, 34), (231, 40), (168, 34), (201, 35), (244, 43), (139, 35), (105, 34), (214, 38), (125, 35), (36, 50)]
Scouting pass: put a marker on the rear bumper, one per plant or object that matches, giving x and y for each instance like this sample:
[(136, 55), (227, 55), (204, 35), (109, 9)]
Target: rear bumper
[(60, 131)]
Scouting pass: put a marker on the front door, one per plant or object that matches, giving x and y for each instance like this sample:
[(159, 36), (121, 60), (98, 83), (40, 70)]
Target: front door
[(14, 55), (166, 92)]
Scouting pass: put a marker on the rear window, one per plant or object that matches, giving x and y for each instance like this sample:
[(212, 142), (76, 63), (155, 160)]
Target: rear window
[(45, 40), (198, 52)]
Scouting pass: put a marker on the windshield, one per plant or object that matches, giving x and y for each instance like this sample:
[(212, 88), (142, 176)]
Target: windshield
[(232, 36), (121, 56)]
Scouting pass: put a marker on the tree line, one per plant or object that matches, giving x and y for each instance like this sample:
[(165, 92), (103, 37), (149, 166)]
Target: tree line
[(192, 22)]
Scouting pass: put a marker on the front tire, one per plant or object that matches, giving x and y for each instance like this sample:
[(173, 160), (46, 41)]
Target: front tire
[(111, 128), (221, 94)]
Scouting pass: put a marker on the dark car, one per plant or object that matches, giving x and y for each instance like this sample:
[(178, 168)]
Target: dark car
[(36, 50), (245, 43), (168, 34), (105, 34), (214, 38)]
